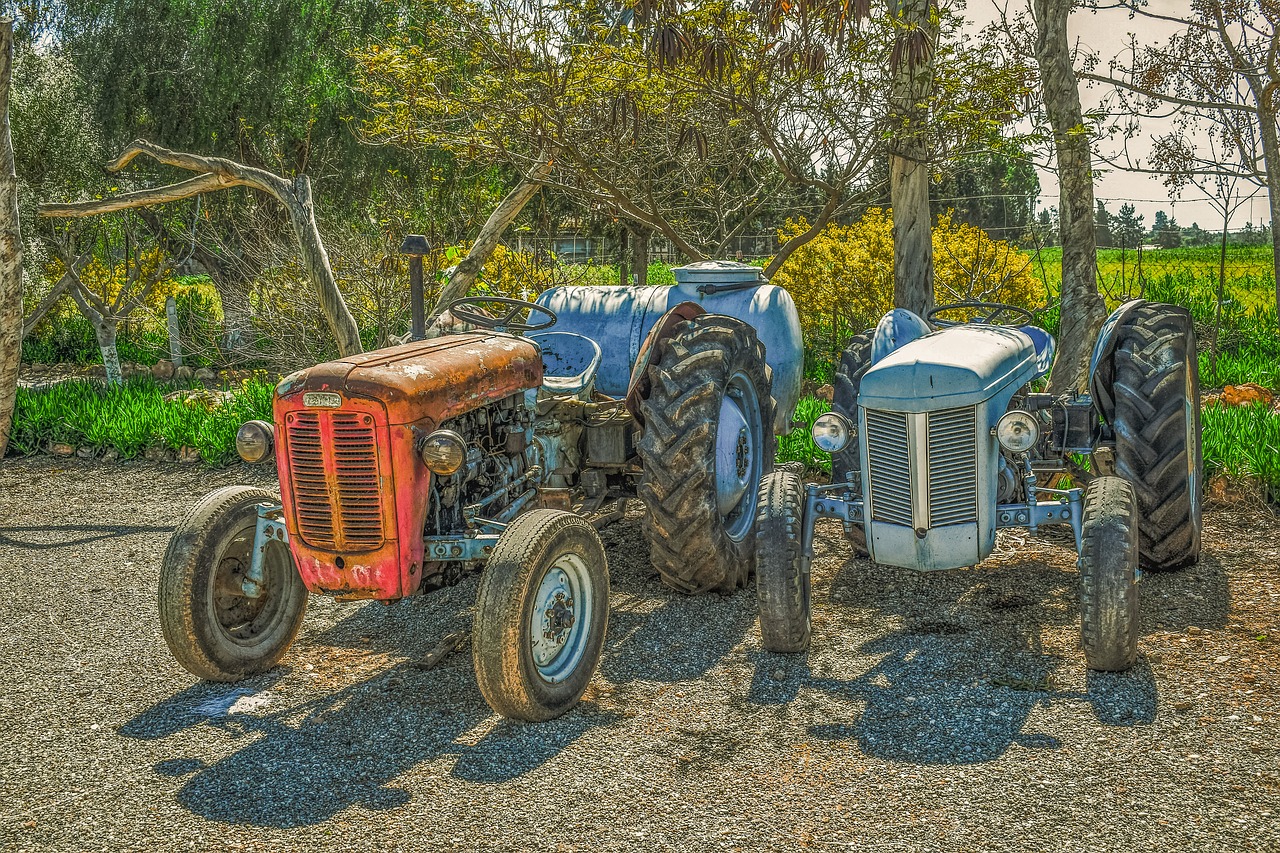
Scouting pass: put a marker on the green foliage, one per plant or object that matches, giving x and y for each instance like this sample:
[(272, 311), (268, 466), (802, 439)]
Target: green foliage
[(1243, 441), (797, 445), (842, 280), (134, 416)]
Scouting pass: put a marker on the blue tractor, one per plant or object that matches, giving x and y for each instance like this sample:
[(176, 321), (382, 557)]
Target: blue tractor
[(939, 438)]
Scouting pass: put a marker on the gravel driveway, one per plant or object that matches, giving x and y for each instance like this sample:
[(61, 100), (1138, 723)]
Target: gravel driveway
[(934, 712)]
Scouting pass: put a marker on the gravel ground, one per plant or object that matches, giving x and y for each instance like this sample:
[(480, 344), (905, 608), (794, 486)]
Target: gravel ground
[(934, 712)]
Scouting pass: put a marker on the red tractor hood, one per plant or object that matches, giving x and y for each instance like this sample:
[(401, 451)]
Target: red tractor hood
[(432, 380)]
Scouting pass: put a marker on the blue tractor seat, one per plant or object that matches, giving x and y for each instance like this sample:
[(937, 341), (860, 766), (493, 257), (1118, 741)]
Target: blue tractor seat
[(569, 363)]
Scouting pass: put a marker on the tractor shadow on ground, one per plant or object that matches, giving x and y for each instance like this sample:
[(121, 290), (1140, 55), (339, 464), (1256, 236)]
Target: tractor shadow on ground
[(305, 761), (657, 633), (10, 537), (962, 663)]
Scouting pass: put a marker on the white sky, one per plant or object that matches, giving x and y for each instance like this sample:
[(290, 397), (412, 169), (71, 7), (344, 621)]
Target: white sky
[(1107, 32)]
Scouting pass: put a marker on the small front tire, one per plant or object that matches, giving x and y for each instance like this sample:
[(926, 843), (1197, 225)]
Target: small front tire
[(541, 615), (782, 571), (213, 629), (1109, 576)]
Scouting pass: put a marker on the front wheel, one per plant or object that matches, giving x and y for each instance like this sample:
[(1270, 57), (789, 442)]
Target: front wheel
[(213, 629), (1109, 576), (541, 614), (782, 571)]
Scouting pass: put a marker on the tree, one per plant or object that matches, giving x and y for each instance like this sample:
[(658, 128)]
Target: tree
[(1102, 226), (215, 173), (1083, 309), (1127, 227), (10, 249), (268, 84), (1165, 232), (692, 123), (1221, 73)]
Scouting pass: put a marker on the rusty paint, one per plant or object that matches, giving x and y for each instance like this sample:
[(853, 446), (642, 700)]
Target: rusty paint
[(355, 518)]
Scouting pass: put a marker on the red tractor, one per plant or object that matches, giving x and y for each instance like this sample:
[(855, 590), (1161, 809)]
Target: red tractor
[(404, 468)]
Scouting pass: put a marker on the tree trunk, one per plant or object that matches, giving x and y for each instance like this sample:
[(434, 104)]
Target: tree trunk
[(1267, 119), (302, 215), (490, 235), (1082, 308), (105, 330), (640, 257), (10, 250), (908, 161)]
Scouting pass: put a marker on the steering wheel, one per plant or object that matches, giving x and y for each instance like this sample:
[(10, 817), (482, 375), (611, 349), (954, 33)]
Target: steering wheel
[(992, 309), (507, 323)]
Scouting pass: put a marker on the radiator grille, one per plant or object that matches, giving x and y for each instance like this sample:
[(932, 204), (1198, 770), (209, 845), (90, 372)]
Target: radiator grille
[(953, 467), (889, 463), (333, 465)]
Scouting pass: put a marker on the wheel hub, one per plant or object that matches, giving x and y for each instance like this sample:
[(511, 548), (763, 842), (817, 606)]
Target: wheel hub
[(734, 452), (555, 614)]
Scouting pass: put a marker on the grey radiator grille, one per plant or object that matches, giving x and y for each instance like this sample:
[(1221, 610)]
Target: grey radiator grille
[(889, 461), (953, 467)]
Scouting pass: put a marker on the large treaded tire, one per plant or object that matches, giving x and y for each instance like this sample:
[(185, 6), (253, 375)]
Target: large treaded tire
[(855, 361), (691, 545), (213, 630), (536, 544), (1157, 427), (782, 572), (1109, 575)]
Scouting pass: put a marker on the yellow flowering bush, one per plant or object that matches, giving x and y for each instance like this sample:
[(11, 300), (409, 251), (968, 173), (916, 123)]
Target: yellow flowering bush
[(842, 280)]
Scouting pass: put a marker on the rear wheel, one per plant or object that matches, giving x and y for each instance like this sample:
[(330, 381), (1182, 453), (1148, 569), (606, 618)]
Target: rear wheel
[(213, 629), (708, 439), (541, 614), (782, 571), (1109, 576), (845, 464), (1157, 426)]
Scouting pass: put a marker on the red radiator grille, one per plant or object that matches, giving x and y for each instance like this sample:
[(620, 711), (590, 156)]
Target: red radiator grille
[(333, 464)]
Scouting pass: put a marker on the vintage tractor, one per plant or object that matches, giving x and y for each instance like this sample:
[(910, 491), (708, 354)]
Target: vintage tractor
[(404, 468), (939, 438)]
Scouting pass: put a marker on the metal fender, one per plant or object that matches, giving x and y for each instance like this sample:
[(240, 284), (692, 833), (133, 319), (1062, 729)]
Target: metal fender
[(896, 328), (1101, 371), (638, 387)]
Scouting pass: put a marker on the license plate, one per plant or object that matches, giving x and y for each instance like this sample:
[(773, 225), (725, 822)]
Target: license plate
[(322, 399)]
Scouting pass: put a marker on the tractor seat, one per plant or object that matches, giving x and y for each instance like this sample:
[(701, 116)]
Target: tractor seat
[(569, 363), (1045, 348)]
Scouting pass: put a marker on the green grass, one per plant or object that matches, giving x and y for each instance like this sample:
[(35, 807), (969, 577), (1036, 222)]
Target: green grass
[(134, 416), (1243, 441)]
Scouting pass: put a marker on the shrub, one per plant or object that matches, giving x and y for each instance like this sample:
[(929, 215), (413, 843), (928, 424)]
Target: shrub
[(842, 280)]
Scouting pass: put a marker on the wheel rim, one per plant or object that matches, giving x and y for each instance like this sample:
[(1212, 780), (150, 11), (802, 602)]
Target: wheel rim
[(560, 621), (242, 620), (738, 463)]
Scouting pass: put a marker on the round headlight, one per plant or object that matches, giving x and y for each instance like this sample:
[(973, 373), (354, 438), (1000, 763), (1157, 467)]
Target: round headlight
[(255, 441), (443, 452), (832, 432), (1017, 431)]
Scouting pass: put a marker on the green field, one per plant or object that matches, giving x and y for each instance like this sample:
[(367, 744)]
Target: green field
[(1250, 275)]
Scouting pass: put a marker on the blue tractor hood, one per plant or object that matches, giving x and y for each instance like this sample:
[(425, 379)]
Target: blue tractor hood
[(955, 367)]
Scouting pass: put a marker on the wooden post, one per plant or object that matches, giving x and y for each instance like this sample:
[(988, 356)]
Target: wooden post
[(171, 321)]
